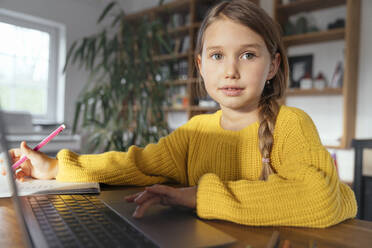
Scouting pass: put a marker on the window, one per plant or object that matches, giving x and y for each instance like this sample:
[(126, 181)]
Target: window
[(31, 77)]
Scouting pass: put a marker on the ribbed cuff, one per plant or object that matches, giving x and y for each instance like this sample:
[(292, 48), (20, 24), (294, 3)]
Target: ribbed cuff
[(65, 159), (210, 188)]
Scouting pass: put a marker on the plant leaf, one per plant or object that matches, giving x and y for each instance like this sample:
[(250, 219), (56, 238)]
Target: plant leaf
[(69, 53), (76, 117), (106, 10)]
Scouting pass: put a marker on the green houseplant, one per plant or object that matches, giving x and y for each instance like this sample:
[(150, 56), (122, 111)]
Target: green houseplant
[(121, 105)]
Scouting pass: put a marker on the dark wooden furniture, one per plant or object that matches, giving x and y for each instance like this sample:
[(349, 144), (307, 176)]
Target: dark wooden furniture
[(350, 233), (362, 184)]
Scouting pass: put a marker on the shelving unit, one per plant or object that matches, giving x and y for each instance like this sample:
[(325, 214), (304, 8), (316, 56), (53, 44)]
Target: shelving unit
[(314, 92), (350, 34), (196, 9), (308, 38)]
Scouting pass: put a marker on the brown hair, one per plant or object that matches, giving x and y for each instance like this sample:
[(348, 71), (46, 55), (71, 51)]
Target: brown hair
[(254, 17)]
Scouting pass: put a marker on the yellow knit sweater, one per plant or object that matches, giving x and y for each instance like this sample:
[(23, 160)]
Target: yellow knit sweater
[(226, 165)]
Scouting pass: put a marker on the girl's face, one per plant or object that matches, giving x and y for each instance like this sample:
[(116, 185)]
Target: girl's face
[(235, 65)]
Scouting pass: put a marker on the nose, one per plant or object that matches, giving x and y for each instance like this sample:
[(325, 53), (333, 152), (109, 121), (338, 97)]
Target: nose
[(231, 69)]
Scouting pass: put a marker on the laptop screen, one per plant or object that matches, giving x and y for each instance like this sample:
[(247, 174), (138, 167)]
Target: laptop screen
[(12, 184)]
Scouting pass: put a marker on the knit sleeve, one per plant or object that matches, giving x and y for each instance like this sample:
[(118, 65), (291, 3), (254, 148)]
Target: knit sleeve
[(304, 191), (156, 163)]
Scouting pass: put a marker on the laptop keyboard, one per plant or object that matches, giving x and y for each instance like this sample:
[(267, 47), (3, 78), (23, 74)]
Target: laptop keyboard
[(83, 221)]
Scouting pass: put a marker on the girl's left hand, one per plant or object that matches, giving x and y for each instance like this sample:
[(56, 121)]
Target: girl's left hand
[(165, 195)]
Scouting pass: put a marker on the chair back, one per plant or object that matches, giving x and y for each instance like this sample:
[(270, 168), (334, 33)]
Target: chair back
[(362, 185)]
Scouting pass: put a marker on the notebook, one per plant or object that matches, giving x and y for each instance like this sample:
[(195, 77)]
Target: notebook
[(33, 186)]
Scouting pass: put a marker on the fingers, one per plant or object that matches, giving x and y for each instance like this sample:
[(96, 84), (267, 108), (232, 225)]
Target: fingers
[(143, 197), (141, 209), (156, 194), (25, 149), (130, 198), (162, 190), (140, 197), (15, 154), (23, 171), (20, 174)]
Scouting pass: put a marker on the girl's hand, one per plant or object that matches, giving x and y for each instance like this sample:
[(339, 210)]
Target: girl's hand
[(165, 195), (38, 165)]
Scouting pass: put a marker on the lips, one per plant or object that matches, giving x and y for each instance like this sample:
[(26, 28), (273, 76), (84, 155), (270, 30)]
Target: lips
[(231, 90)]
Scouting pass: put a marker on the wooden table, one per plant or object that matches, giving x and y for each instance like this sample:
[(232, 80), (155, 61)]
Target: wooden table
[(350, 233)]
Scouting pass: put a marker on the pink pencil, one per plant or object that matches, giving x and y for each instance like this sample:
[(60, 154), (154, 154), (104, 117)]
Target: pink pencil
[(40, 145)]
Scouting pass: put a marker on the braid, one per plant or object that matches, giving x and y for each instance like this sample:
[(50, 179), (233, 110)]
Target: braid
[(269, 110)]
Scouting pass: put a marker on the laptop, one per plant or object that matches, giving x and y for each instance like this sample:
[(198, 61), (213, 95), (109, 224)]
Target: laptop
[(105, 220)]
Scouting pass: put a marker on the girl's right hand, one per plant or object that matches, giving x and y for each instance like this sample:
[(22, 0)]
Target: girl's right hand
[(38, 165)]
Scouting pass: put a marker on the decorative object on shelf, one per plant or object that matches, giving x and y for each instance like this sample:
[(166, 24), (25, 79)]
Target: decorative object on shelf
[(178, 96), (339, 23), (301, 25), (163, 74), (187, 19), (177, 45), (121, 105), (185, 44), (183, 67), (338, 76), (177, 20), (289, 28), (306, 82), (320, 81), (207, 102), (299, 66)]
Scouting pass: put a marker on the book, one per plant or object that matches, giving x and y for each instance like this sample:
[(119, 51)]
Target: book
[(32, 186)]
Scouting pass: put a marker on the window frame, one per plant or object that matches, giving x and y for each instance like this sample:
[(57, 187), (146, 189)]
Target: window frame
[(57, 54)]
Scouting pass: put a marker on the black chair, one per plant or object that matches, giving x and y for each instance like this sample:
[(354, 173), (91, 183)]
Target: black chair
[(362, 185)]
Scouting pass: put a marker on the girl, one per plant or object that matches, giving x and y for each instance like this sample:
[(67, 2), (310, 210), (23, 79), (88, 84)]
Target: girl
[(252, 162)]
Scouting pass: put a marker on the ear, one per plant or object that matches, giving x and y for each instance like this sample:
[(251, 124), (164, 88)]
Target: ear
[(198, 61), (274, 66)]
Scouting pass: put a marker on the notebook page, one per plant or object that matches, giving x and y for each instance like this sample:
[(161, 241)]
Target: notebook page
[(34, 186)]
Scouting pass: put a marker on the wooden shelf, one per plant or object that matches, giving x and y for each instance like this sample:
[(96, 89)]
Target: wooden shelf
[(167, 57), (177, 82), (197, 25), (314, 37), (180, 31), (333, 146), (314, 92), (307, 5), (171, 7), (175, 109), (184, 30)]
